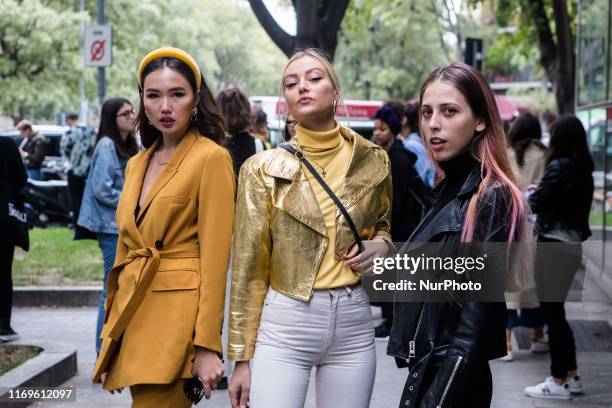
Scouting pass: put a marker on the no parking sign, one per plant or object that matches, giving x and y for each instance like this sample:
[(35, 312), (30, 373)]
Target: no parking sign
[(97, 47)]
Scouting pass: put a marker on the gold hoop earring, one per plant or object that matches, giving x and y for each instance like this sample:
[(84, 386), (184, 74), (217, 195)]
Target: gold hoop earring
[(334, 106)]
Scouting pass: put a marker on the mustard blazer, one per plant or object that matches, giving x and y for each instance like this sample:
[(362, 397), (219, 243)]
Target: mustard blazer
[(280, 233), (166, 293)]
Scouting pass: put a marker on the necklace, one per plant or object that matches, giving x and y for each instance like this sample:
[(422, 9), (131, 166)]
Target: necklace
[(161, 163), (327, 162)]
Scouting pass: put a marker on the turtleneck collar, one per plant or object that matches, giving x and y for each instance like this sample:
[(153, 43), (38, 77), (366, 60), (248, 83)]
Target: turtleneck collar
[(311, 140), (459, 167)]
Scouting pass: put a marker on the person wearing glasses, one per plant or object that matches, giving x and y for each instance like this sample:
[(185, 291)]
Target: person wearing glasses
[(115, 144)]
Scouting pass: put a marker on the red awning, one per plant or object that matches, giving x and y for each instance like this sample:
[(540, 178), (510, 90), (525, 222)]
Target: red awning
[(507, 108)]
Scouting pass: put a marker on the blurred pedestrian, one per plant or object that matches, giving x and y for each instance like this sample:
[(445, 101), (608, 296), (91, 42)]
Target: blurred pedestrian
[(164, 310), (528, 157), (237, 112), (413, 142), (447, 346), (296, 299), (14, 227), (115, 144), (242, 144), (260, 128), (32, 149), (562, 201), (76, 146), (410, 195), (289, 129)]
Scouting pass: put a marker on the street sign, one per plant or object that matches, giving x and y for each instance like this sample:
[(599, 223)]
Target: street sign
[(97, 46)]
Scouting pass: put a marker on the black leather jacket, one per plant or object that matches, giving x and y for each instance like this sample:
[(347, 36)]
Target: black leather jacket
[(457, 337), (563, 198)]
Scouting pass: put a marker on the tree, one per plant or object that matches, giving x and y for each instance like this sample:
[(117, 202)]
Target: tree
[(549, 25), (318, 23), (41, 65), (386, 48), (39, 58)]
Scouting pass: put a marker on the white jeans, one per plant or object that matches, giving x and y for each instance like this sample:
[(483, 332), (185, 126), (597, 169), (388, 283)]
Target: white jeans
[(332, 332)]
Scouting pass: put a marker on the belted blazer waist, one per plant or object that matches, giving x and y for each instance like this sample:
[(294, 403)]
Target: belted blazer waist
[(153, 255)]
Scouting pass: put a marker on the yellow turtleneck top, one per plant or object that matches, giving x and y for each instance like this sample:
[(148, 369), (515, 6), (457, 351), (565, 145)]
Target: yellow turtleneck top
[(328, 152)]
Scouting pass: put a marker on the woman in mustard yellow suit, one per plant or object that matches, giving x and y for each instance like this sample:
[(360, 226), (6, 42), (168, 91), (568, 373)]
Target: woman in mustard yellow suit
[(165, 301)]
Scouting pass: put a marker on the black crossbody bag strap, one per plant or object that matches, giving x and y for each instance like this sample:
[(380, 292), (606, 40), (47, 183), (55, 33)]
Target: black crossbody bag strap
[(328, 190)]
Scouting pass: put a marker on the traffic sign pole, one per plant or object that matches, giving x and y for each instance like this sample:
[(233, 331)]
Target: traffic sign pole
[(101, 70)]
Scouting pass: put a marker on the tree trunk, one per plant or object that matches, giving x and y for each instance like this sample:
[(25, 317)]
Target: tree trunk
[(318, 23), (558, 58), (566, 60)]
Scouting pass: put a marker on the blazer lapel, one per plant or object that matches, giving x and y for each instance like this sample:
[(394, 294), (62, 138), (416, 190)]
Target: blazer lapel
[(363, 173), (299, 201), (168, 172), (131, 193)]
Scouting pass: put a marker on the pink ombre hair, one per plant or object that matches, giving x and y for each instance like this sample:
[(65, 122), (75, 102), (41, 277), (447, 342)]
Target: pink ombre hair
[(489, 147)]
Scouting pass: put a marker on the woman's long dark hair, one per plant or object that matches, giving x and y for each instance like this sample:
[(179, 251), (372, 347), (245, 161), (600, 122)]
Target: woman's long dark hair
[(569, 140), (209, 123), (108, 127), (525, 130)]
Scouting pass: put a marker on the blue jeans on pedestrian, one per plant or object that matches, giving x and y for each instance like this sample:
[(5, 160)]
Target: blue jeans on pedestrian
[(108, 246), (35, 174)]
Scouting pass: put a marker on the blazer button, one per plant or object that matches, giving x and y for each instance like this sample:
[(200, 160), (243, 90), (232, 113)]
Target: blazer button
[(159, 244)]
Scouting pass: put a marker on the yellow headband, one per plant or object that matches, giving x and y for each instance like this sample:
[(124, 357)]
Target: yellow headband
[(172, 53)]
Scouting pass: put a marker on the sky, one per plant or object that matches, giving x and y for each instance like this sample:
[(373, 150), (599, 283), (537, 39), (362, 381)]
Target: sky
[(283, 14)]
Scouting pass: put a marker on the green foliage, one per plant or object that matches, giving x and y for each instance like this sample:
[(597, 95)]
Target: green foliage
[(39, 57), (223, 35), (386, 48)]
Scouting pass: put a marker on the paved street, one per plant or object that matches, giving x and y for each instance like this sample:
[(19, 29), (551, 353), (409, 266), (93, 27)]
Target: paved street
[(77, 325)]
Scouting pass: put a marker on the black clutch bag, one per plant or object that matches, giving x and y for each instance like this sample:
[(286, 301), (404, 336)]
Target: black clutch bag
[(194, 390)]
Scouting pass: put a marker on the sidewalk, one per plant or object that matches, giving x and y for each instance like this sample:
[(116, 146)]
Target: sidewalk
[(77, 326)]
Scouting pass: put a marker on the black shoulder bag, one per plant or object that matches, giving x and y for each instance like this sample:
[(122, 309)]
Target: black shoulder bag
[(328, 190)]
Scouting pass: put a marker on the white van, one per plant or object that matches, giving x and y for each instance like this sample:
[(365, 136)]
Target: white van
[(353, 113)]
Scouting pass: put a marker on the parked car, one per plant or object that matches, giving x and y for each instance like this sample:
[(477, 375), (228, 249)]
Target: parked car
[(52, 168)]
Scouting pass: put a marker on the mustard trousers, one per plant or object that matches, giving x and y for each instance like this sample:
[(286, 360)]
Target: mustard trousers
[(159, 395)]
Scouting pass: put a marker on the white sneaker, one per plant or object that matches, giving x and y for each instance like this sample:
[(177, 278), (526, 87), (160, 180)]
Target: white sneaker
[(549, 389), (508, 357), (539, 347), (574, 385)]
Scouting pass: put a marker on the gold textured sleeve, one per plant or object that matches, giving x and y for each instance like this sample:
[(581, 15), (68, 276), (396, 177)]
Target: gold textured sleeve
[(383, 225), (250, 264)]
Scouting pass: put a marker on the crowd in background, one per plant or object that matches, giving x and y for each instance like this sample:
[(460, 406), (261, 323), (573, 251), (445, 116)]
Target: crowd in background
[(96, 175)]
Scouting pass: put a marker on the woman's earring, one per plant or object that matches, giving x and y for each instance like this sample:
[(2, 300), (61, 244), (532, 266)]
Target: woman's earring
[(194, 115), (334, 106)]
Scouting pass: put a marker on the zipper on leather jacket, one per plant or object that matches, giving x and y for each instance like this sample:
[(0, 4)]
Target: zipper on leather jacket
[(450, 381), (412, 343)]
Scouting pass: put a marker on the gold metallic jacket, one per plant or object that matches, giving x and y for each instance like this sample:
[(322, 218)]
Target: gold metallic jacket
[(279, 232)]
